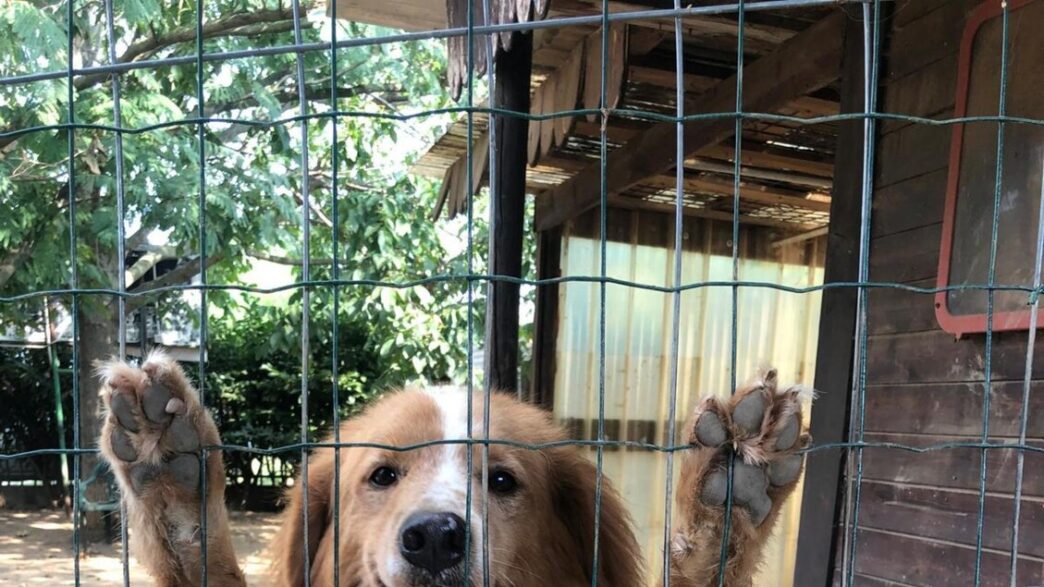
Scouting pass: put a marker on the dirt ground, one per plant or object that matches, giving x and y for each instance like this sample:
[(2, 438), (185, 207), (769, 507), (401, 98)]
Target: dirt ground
[(36, 549)]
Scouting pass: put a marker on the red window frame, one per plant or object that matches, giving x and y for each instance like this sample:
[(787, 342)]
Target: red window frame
[(961, 324)]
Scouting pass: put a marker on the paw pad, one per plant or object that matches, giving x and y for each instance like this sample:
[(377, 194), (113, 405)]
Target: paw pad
[(122, 446), (785, 470), (760, 434), (155, 429), (710, 431), (750, 413), (788, 435), (154, 404), (122, 407)]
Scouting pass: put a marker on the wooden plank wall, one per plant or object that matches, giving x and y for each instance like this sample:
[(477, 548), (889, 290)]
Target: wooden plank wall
[(919, 511)]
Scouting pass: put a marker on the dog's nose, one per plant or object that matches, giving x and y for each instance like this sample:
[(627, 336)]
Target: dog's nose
[(432, 541)]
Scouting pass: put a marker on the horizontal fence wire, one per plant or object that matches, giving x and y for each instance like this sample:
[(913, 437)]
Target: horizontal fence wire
[(77, 79), (549, 23), (630, 444), (1032, 292), (636, 114)]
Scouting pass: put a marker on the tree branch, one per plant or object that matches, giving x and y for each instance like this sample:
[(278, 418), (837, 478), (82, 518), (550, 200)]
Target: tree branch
[(179, 275), (220, 27), (280, 260), (10, 263)]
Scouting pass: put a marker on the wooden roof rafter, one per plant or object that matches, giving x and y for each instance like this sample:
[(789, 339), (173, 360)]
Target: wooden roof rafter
[(800, 66)]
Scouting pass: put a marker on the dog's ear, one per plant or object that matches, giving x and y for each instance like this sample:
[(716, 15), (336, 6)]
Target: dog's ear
[(288, 547), (575, 480)]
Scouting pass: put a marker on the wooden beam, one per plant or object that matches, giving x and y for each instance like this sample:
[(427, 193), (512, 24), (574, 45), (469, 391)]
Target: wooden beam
[(507, 222), (748, 193), (800, 238), (821, 503), (771, 160), (545, 323), (802, 65), (758, 38), (667, 79), (808, 182), (409, 15), (630, 203)]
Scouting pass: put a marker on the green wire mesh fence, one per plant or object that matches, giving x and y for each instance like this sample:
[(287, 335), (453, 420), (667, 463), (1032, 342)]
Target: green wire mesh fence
[(869, 13)]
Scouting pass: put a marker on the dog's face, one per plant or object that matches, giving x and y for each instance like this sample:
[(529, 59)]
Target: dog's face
[(405, 517)]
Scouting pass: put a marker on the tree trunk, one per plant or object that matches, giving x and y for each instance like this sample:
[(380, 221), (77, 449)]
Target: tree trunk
[(97, 341)]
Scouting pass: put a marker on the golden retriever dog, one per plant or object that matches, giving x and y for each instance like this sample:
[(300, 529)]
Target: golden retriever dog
[(402, 516)]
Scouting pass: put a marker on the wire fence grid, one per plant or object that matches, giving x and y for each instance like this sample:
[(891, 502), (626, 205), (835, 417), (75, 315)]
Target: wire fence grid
[(870, 14)]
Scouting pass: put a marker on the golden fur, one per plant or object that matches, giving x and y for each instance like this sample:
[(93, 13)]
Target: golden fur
[(540, 534)]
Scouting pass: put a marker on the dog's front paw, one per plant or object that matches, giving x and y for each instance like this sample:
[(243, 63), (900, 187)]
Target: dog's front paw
[(154, 429), (153, 437), (757, 435), (761, 426)]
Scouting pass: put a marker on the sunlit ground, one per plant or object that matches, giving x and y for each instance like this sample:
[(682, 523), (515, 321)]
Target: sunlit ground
[(36, 549)]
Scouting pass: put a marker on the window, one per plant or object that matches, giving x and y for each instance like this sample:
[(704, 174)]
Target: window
[(968, 218)]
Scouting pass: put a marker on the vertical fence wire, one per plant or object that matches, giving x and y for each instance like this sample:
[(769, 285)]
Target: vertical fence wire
[(121, 253), (603, 211), (74, 281), (306, 215), (1031, 340), (871, 63), (492, 228), (991, 280), (335, 306), (679, 203), (737, 169), (469, 386), (871, 32), (871, 60), (202, 155)]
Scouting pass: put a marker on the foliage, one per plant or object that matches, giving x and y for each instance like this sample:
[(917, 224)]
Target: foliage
[(253, 195), (254, 183), (29, 419)]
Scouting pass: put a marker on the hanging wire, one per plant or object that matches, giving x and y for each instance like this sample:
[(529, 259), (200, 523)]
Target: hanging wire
[(871, 63), (306, 203), (121, 253), (991, 277), (679, 203), (1031, 340), (74, 284), (603, 210), (202, 383), (335, 311)]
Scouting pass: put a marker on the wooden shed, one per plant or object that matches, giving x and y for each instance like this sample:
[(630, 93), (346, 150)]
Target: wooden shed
[(800, 190)]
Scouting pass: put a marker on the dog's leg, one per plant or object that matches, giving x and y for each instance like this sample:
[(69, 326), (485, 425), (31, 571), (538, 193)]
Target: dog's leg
[(152, 437), (759, 431)]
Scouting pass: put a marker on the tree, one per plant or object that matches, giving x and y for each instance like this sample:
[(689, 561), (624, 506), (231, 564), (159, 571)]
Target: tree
[(254, 183)]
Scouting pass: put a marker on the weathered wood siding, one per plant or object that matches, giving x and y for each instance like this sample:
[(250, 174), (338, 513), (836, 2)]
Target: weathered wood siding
[(919, 511)]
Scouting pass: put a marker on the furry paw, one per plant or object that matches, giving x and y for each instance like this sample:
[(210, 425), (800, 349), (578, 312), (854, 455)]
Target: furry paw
[(155, 427), (761, 425), (759, 431), (153, 436)]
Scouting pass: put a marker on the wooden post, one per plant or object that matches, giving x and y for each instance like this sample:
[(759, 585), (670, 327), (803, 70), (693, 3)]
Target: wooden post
[(821, 502), (507, 222), (545, 328)]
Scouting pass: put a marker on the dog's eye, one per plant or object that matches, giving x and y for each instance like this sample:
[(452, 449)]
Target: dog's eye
[(501, 481), (384, 477)]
